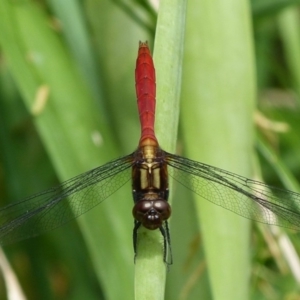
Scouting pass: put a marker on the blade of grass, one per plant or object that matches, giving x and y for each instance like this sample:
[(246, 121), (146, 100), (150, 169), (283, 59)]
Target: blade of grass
[(285, 175), (217, 106), (66, 125), (287, 247), (150, 271), (70, 15), (270, 7), (288, 21)]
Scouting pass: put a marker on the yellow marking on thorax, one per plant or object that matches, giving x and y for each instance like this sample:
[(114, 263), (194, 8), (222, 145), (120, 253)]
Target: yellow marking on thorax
[(150, 176)]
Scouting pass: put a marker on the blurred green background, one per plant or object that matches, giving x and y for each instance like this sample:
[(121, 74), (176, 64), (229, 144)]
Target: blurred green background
[(67, 104)]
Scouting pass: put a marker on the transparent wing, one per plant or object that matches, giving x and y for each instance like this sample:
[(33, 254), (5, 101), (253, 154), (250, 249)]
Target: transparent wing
[(56, 206), (248, 198)]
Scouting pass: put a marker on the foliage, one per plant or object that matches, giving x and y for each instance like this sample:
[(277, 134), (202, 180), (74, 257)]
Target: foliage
[(67, 105)]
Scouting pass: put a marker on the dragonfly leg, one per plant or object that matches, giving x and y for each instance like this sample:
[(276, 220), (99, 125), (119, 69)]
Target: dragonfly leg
[(165, 232), (137, 225)]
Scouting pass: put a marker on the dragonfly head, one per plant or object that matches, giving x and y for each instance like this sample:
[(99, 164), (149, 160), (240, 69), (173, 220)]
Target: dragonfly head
[(152, 213)]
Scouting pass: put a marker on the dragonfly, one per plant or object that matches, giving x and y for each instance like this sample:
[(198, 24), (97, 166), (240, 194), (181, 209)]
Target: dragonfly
[(149, 168)]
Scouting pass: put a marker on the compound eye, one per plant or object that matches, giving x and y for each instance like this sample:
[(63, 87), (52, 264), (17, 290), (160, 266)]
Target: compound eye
[(141, 209), (163, 208), (144, 206)]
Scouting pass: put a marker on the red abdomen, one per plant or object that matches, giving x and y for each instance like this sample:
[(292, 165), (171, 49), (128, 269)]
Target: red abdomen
[(145, 90)]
